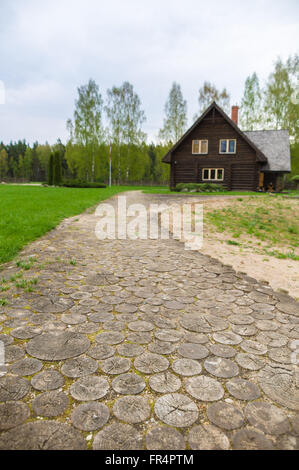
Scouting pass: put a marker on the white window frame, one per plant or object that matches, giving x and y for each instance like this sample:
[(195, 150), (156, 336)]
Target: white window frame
[(216, 174), (200, 144), (227, 146)]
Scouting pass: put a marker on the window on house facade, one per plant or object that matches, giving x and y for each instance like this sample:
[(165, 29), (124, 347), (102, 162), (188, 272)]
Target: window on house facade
[(213, 174), (227, 146), (220, 174), (200, 147), (205, 174)]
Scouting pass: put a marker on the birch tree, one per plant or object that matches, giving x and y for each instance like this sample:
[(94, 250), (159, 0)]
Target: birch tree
[(125, 116), (209, 93), (175, 121), (281, 109), (86, 129), (251, 113)]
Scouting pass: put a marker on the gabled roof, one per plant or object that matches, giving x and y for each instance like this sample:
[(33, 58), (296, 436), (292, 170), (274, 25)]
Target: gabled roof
[(260, 155), (276, 146)]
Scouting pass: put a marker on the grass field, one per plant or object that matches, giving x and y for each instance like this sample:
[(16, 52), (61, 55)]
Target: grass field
[(27, 213), (270, 224)]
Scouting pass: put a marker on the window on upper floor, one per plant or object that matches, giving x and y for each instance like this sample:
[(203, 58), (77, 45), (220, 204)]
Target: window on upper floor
[(200, 147), (227, 146), (213, 174)]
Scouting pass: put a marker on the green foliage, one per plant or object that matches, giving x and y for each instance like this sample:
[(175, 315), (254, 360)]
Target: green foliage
[(157, 172), (14, 151), (251, 117), (28, 163), (86, 131), (82, 184), (27, 213), (125, 117), (3, 163), (280, 110), (273, 106), (50, 170), (271, 221), (26, 265), (133, 163), (86, 155), (43, 153), (175, 121), (295, 180), (279, 255), (294, 160), (199, 187), (57, 170), (26, 284), (25, 162)]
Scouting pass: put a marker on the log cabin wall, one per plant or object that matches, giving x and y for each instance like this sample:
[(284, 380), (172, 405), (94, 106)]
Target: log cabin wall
[(241, 170)]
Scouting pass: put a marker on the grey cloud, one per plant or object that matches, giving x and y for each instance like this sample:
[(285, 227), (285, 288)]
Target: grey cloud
[(49, 48)]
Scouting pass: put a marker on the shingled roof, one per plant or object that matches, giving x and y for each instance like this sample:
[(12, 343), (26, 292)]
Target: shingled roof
[(275, 145)]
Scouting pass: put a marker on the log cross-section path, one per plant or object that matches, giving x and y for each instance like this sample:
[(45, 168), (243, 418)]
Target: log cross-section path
[(125, 344)]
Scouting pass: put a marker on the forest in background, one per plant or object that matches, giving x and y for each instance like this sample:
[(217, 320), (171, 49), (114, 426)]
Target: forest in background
[(85, 156)]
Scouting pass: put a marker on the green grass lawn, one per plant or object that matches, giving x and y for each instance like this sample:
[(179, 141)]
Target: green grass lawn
[(27, 213), (271, 223), (294, 192)]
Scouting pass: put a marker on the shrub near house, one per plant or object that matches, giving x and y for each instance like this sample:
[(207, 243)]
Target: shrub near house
[(199, 188)]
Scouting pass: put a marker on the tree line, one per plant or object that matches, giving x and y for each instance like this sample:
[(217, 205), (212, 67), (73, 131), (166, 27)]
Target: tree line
[(113, 125), (22, 162)]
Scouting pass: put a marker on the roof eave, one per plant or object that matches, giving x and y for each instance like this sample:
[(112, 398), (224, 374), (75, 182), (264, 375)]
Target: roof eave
[(167, 158), (261, 158)]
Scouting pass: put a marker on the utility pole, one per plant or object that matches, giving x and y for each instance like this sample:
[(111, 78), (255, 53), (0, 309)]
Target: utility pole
[(110, 165)]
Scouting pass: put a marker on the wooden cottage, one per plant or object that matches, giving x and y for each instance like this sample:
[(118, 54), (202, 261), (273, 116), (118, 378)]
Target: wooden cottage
[(215, 150)]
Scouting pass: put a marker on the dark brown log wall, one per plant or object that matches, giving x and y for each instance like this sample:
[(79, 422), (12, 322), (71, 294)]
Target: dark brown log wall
[(241, 171)]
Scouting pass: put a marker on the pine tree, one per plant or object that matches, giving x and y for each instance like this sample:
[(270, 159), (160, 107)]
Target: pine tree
[(50, 170), (3, 163), (57, 170)]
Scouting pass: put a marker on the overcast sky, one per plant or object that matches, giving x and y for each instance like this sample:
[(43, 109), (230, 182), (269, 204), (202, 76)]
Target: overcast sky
[(48, 48)]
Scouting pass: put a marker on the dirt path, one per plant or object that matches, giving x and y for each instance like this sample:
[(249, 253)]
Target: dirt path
[(143, 345)]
